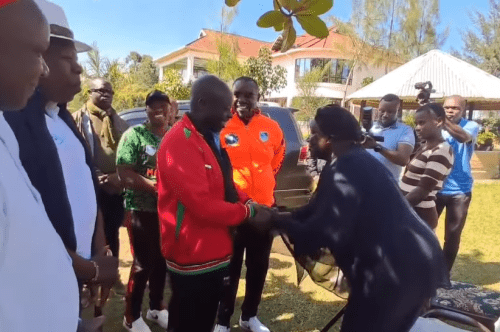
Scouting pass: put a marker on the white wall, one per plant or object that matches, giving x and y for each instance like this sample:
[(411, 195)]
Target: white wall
[(328, 90)]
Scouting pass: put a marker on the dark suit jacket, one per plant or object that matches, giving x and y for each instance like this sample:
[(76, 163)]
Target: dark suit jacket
[(40, 159)]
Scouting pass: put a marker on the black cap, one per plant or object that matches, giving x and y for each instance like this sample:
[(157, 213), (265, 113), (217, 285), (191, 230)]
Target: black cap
[(337, 123), (156, 95)]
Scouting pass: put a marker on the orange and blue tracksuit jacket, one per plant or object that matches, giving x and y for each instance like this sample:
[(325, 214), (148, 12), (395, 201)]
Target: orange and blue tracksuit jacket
[(256, 151)]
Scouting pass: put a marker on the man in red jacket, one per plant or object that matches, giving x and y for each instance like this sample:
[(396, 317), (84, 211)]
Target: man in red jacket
[(256, 147), (197, 205)]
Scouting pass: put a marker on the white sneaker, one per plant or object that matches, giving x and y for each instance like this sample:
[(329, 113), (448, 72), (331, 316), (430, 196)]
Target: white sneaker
[(221, 328), (158, 316), (253, 325), (139, 325), (497, 325)]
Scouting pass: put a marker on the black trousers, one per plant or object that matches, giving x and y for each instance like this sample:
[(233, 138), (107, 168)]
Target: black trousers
[(194, 301), (457, 207), (149, 264), (258, 248), (113, 214)]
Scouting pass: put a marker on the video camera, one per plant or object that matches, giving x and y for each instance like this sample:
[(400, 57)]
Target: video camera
[(367, 123), (424, 95)]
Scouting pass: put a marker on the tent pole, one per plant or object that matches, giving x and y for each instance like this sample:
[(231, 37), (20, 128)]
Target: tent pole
[(471, 110)]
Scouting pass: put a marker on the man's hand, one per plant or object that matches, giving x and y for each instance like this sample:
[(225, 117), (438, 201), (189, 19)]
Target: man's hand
[(111, 183), (369, 142), (114, 180), (263, 218), (109, 111), (457, 132), (108, 270)]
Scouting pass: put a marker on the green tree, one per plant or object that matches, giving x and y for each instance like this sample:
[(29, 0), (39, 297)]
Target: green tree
[(357, 50), (261, 69), (94, 67), (173, 86), (130, 96), (482, 47), (367, 80), (417, 33), (375, 23), (307, 100), (131, 80), (226, 64), (142, 69)]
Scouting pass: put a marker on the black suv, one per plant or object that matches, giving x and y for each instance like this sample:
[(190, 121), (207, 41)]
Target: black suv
[(293, 183)]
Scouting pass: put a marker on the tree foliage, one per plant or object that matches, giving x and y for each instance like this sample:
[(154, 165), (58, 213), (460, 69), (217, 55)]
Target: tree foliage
[(173, 86), (307, 100), (261, 69), (306, 13), (417, 32), (389, 31), (132, 80), (482, 44), (367, 81), (226, 65)]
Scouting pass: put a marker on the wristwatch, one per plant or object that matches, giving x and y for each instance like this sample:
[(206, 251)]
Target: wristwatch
[(378, 148)]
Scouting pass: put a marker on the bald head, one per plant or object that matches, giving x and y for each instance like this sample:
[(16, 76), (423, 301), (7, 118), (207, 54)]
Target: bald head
[(101, 93), (461, 101), (24, 36), (211, 101), (97, 83), (454, 107)]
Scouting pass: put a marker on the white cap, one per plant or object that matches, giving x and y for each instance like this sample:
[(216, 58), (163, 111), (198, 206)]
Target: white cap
[(59, 26)]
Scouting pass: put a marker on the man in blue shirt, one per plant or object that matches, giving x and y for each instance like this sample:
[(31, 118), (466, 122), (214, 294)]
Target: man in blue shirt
[(399, 140), (461, 134)]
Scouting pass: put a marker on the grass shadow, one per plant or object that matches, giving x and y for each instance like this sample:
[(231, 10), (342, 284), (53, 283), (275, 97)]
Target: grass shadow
[(277, 264), (286, 307), (472, 269)]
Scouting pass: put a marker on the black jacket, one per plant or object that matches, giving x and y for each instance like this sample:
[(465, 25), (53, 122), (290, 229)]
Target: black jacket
[(40, 159), (391, 258)]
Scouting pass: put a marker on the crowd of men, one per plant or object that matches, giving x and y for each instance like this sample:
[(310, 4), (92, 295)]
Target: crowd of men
[(198, 193)]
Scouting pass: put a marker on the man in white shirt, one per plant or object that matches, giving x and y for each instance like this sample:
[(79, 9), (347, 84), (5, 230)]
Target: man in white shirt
[(56, 158), (39, 291)]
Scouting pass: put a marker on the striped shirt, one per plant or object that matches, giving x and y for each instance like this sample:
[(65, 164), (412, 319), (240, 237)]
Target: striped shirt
[(428, 169)]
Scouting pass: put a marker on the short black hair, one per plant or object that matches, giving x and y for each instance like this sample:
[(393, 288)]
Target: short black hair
[(435, 108), (390, 98), (338, 123), (156, 95), (246, 79)]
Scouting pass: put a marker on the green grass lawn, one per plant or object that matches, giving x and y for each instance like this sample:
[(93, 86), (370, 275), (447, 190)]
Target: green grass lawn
[(285, 307)]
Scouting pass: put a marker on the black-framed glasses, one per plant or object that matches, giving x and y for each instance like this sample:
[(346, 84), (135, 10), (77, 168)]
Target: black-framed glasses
[(103, 91)]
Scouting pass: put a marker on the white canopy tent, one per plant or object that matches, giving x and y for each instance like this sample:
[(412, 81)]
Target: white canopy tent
[(449, 76)]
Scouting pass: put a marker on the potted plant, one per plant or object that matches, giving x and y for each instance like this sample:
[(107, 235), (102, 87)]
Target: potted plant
[(485, 141)]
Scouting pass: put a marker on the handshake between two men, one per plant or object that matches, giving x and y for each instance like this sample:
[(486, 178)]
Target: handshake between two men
[(264, 218)]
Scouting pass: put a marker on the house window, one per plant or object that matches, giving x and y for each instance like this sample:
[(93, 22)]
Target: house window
[(335, 70)]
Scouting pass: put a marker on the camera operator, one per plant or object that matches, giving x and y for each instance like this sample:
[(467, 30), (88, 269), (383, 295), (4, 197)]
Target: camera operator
[(394, 152), (456, 194)]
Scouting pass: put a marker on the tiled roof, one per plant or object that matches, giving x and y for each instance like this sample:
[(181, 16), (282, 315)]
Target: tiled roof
[(208, 42), (449, 76), (333, 39)]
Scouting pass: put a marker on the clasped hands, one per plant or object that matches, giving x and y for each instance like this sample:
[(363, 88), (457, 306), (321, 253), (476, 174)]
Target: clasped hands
[(264, 217)]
